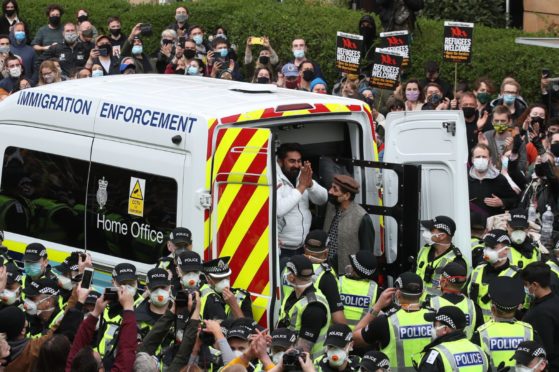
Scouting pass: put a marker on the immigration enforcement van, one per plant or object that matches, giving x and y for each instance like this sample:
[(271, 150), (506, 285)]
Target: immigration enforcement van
[(112, 165)]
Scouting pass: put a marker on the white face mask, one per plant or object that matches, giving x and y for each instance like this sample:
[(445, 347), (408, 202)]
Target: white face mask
[(131, 290), (277, 357), (190, 280), (434, 331), (9, 297), (30, 307), (518, 236), (15, 72), (492, 255), (65, 282), (221, 285), (428, 237), (237, 353), (521, 368), (481, 164), (159, 297), (336, 357)]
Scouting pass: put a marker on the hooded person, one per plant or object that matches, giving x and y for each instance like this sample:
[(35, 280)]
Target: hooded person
[(367, 29)]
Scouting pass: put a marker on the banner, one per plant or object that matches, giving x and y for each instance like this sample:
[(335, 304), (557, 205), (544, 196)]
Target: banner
[(386, 69), (397, 41), (348, 52), (458, 38)]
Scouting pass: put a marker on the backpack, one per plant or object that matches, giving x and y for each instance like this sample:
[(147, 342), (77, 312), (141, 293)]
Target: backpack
[(415, 5)]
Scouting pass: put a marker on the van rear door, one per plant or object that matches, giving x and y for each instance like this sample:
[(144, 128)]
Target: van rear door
[(242, 217), (436, 140)]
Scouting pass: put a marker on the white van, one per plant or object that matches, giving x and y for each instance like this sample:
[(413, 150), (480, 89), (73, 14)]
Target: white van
[(112, 165)]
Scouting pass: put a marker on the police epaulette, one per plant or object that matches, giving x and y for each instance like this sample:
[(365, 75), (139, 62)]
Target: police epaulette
[(392, 311), (456, 251), (326, 266)]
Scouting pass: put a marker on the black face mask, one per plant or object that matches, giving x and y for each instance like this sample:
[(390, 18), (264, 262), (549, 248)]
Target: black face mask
[(264, 60), (262, 80), (541, 170), (10, 12), (105, 50), (308, 75), (537, 119), (469, 111), (555, 149), (189, 53), (367, 32), (115, 31), (179, 71), (333, 199), (54, 21), (82, 18)]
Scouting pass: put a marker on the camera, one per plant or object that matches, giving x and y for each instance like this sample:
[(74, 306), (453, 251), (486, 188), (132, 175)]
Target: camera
[(145, 29), (435, 99), (207, 338), (167, 42), (111, 294), (291, 360)]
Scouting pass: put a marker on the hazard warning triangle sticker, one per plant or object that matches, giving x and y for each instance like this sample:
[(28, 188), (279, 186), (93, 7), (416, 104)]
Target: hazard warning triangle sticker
[(137, 191)]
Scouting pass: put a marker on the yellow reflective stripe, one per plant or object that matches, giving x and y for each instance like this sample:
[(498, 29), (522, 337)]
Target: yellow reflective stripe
[(337, 107), (53, 254), (223, 148), (296, 113), (260, 304), (254, 260), (251, 115)]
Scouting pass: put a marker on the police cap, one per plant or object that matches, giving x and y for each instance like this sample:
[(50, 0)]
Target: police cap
[(301, 266), (450, 316), (364, 263), (373, 360), (506, 293), (338, 335), (496, 236), (217, 268), (443, 223), (527, 351)]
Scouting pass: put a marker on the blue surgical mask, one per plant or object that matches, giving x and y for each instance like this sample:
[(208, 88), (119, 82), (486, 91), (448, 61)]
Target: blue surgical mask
[(33, 269), (137, 49), (192, 70), (96, 73), (198, 39), (299, 53), (223, 52), (19, 35), (508, 99)]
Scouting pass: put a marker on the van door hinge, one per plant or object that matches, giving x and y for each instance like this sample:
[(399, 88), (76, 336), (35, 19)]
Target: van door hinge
[(450, 127), (205, 200)]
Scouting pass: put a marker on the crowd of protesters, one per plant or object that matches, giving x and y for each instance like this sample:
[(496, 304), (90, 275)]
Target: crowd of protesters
[(494, 310)]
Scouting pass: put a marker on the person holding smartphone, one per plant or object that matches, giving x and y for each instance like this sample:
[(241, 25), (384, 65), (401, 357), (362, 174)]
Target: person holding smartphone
[(102, 55)]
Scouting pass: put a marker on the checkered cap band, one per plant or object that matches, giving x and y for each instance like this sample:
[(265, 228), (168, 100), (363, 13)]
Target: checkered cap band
[(444, 227), (446, 319), (220, 268), (454, 279), (291, 267), (44, 290), (359, 267)]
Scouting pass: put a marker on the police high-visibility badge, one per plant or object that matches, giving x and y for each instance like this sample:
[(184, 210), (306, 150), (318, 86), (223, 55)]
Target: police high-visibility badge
[(102, 193), (137, 196)]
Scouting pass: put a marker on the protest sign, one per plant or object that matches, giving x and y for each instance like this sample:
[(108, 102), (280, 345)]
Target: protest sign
[(397, 41), (386, 69), (458, 42), (348, 52)]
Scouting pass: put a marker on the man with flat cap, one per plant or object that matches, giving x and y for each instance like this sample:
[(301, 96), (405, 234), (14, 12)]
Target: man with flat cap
[(500, 336), (530, 356), (338, 346), (350, 228), (403, 331), (524, 250), (453, 278), (305, 310), (218, 293), (358, 290), (437, 251), (180, 240), (374, 361), (450, 350), (495, 254)]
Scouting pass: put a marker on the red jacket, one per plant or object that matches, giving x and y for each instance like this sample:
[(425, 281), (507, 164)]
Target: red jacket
[(127, 343)]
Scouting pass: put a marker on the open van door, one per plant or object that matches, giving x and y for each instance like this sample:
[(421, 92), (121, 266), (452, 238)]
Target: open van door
[(243, 213), (436, 140)]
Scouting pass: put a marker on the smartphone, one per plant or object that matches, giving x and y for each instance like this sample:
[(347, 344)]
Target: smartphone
[(256, 40), (103, 52), (87, 277), (167, 41), (146, 30), (181, 300), (545, 73), (111, 294)]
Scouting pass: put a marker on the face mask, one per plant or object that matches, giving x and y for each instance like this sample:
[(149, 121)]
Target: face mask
[(8, 297), (189, 53), (508, 99), (159, 297), (500, 128), (333, 199), (336, 357), (115, 31), (131, 290), (31, 307), (15, 72), (82, 18), (105, 50), (33, 270), (291, 84), (137, 49), (181, 18), (481, 164), (505, 162), (528, 294), (19, 35), (237, 353), (264, 60), (96, 73), (412, 95), (483, 97), (299, 53), (221, 285), (192, 70), (54, 21), (190, 280), (263, 80), (308, 76), (554, 148), (469, 111), (180, 71), (434, 332), (5, 49), (223, 52), (520, 368), (48, 78), (277, 357), (223, 36), (198, 39), (492, 255), (70, 37), (10, 12), (428, 237), (65, 282), (518, 236)]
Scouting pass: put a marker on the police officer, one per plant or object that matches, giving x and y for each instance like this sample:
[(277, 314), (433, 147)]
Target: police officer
[(124, 275), (453, 279), (497, 264), (66, 273), (11, 294), (282, 340), (478, 230), (338, 346), (500, 336), (4, 255), (450, 349), (36, 264), (155, 305), (305, 310), (403, 332), (524, 249), (358, 290), (234, 302), (189, 268), (374, 361), (180, 240), (530, 356), (437, 252), (41, 306)]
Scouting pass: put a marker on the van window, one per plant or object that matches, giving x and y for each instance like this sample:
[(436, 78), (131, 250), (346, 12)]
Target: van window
[(130, 213), (43, 195)]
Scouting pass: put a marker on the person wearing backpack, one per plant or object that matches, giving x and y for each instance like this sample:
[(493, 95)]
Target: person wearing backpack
[(398, 15)]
